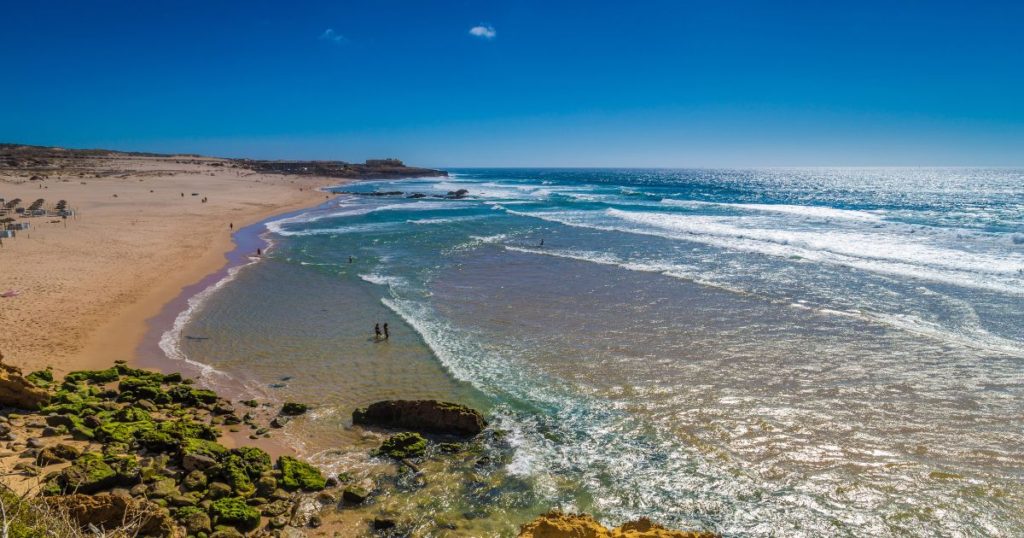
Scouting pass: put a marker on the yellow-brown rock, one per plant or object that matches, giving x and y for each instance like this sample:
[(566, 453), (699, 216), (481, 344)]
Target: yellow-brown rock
[(559, 525), (16, 391)]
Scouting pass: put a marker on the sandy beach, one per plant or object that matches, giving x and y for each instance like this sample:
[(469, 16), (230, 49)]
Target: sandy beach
[(140, 233)]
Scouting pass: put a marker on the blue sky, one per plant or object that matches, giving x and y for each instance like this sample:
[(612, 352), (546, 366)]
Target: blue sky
[(522, 82)]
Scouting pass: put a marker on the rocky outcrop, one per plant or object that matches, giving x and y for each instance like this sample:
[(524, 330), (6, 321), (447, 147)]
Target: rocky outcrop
[(427, 416), (559, 525), (113, 511), (16, 391)]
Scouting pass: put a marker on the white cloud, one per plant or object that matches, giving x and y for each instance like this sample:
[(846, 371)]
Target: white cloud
[(485, 31), (330, 35)]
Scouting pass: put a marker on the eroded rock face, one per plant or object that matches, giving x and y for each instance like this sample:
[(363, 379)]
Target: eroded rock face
[(427, 416), (559, 525), (112, 511), (16, 391)]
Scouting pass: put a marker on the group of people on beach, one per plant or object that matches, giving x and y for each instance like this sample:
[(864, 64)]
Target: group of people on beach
[(378, 335)]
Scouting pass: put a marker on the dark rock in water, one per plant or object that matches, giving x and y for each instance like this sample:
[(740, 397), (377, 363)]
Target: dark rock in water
[(111, 511), (293, 409), (417, 195), (277, 385), (457, 195), (355, 495), (286, 378), (381, 523), (279, 422), (16, 391), (428, 416), (403, 445), (197, 337)]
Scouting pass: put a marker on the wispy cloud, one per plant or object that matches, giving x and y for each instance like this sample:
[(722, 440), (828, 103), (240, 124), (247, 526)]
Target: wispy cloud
[(485, 31), (332, 36)]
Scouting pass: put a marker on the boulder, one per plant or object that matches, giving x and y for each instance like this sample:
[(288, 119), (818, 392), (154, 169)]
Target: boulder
[(403, 445), (355, 495), (110, 511), (16, 391), (293, 409), (57, 453), (559, 525), (427, 416)]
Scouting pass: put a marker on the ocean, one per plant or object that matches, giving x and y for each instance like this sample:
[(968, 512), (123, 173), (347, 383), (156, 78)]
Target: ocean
[(765, 352)]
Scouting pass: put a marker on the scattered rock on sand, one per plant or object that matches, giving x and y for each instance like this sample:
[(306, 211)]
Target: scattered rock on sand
[(427, 416)]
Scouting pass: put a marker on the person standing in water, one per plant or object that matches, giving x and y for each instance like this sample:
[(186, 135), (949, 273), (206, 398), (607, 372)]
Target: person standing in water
[(387, 335), (376, 331), (259, 252)]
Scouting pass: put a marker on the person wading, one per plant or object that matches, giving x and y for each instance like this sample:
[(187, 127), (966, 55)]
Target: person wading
[(376, 331)]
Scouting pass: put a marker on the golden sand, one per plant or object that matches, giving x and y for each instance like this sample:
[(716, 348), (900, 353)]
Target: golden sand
[(87, 285)]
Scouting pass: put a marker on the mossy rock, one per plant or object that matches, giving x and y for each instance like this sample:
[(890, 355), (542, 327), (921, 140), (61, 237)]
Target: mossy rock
[(166, 487), (296, 474), (194, 519), (126, 467), (41, 378), (235, 512), (88, 474), (195, 481), (202, 447), (255, 460), (218, 490), (403, 445), (292, 408), (233, 472), (93, 376), (122, 432), (132, 414), (191, 396)]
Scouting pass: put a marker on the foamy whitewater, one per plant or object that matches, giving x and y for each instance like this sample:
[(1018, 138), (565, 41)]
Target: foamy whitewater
[(799, 352)]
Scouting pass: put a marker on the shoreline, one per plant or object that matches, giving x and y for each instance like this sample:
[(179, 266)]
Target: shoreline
[(150, 351), (143, 317)]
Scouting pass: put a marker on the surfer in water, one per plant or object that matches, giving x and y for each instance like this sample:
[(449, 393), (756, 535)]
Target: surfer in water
[(542, 241), (376, 332)]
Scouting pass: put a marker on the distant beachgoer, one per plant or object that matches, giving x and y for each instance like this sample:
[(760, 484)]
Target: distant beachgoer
[(350, 259), (259, 252), (182, 195), (376, 331), (542, 241), (231, 225), (386, 333)]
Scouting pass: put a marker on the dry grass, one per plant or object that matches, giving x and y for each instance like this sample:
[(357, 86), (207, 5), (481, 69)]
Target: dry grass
[(26, 516)]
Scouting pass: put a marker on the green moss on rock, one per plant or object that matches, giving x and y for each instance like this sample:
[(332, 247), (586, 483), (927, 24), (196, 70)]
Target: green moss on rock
[(235, 512), (292, 408), (403, 445), (41, 378), (296, 474)]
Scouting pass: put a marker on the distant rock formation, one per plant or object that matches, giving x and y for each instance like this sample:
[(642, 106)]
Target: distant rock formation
[(559, 525), (426, 416), (371, 169)]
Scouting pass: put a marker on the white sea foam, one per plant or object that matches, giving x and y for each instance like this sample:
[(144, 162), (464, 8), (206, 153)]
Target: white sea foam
[(807, 211), (892, 253), (384, 280)]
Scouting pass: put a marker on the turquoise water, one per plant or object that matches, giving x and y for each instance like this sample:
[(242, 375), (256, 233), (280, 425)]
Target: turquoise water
[(761, 352)]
